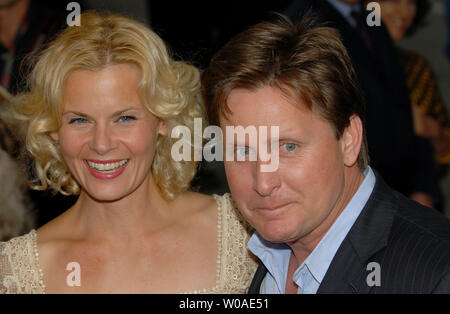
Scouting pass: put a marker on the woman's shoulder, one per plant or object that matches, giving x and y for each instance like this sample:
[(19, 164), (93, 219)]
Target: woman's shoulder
[(20, 272), (19, 247), (238, 264), (233, 222), (198, 202), (220, 208)]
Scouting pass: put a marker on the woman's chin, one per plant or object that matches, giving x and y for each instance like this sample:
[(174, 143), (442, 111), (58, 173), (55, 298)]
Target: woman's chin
[(397, 34), (106, 196)]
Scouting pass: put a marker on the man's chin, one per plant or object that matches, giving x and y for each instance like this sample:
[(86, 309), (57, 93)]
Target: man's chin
[(277, 235)]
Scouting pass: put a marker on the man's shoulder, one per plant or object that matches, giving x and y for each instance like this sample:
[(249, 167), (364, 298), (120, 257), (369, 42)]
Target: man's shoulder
[(416, 255), (398, 213), (418, 219)]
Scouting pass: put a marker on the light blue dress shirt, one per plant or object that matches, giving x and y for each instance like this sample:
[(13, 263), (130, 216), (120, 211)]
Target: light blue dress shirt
[(309, 275), (346, 9)]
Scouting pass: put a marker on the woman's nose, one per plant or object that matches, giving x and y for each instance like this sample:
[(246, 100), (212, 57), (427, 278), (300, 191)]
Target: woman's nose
[(102, 140)]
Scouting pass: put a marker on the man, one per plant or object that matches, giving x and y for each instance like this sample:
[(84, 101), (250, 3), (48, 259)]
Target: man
[(405, 160), (325, 221)]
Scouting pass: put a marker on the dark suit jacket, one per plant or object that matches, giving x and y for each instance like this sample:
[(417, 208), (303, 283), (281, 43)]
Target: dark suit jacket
[(403, 159), (410, 242)]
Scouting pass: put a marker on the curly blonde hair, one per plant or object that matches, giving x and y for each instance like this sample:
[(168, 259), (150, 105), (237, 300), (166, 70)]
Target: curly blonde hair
[(169, 89)]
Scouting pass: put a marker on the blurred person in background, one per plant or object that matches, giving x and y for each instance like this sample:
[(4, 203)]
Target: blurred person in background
[(403, 18), (403, 159), (16, 217), (447, 8), (25, 25)]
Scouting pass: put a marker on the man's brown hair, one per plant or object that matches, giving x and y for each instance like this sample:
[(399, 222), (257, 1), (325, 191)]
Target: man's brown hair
[(306, 61)]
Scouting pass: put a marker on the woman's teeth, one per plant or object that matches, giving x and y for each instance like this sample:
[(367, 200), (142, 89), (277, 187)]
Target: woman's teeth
[(109, 167)]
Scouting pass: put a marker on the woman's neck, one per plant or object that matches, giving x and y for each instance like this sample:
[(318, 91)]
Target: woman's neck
[(141, 212)]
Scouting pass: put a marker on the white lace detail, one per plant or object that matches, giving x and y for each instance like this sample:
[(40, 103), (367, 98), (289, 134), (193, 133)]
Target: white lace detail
[(238, 264), (20, 271), (19, 268), (235, 264)]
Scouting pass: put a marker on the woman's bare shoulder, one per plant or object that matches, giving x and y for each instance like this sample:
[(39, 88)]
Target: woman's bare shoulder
[(53, 230), (196, 200), (193, 204)]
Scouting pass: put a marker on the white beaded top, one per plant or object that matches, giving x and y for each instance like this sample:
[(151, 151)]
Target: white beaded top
[(20, 271)]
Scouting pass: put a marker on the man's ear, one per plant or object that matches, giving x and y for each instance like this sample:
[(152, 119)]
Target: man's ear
[(352, 140), (162, 128)]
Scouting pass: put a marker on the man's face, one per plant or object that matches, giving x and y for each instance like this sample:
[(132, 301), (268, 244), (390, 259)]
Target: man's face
[(304, 195)]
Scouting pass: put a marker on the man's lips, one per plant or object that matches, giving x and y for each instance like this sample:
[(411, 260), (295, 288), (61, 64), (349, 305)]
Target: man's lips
[(273, 207)]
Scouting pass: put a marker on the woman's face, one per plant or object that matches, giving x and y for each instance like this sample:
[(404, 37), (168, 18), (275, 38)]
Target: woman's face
[(107, 136), (398, 16)]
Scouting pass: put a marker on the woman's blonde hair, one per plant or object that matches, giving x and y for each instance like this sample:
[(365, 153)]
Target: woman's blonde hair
[(169, 89)]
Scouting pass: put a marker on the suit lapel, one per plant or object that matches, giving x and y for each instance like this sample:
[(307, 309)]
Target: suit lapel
[(348, 270), (257, 279)]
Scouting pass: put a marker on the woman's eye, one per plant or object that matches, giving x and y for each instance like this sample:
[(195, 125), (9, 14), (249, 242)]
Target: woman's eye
[(290, 147), (77, 120), (126, 118)]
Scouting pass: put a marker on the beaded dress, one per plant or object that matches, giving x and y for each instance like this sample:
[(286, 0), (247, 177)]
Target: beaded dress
[(20, 271)]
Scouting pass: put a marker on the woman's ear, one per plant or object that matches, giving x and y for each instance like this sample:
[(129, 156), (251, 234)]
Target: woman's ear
[(162, 128), (54, 136), (352, 140)]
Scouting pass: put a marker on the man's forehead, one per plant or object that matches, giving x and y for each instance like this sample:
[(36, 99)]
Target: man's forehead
[(266, 104)]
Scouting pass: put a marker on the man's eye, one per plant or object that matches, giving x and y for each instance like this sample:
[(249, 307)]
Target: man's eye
[(77, 120), (126, 118), (242, 151), (290, 147)]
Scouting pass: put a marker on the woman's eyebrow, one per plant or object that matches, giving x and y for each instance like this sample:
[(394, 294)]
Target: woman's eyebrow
[(120, 112), (117, 113), (81, 114)]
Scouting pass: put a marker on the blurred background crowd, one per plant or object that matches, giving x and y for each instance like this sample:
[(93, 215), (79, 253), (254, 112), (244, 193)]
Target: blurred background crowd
[(403, 67)]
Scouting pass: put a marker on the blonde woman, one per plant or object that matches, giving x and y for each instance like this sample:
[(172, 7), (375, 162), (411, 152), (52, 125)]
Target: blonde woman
[(103, 100)]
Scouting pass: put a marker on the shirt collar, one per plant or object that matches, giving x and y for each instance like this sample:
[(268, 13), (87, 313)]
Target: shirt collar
[(320, 258), (275, 256)]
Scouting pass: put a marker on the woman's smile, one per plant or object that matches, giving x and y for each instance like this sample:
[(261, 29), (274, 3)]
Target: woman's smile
[(108, 169)]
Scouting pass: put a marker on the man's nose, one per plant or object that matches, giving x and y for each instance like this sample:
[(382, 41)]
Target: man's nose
[(265, 182), (102, 140)]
